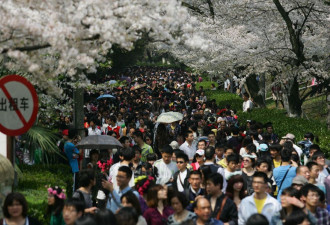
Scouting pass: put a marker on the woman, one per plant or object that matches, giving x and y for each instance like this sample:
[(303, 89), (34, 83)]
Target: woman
[(15, 211), (235, 189), (130, 200), (179, 203), (290, 203), (158, 211), (248, 171), (56, 198), (198, 159)]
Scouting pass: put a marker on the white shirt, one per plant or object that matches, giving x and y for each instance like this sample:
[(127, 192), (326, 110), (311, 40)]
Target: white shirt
[(226, 84), (322, 175), (165, 171), (113, 173), (247, 105), (95, 131), (189, 150), (182, 177)]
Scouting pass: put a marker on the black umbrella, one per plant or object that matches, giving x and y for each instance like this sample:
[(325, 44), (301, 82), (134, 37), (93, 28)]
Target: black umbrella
[(99, 142)]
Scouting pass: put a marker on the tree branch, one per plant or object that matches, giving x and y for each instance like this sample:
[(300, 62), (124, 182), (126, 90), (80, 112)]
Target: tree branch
[(193, 8)]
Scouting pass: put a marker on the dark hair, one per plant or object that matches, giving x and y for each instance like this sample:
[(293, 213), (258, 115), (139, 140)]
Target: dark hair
[(9, 200), (247, 140), (105, 217), (123, 139), (296, 217), (131, 198), (251, 148), (253, 161), (245, 94), (85, 220), (196, 172), (232, 158), (152, 199), (307, 188), (57, 208), (286, 155), (72, 133), (315, 146), (76, 203), (216, 179), (93, 151), (219, 145), (113, 118), (311, 164), (85, 177), (127, 153), (230, 187), (127, 216), (264, 160), (260, 174), (183, 156), (167, 149), (276, 147), (182, 199), (292, 192), (152, 157), (257, 219), (317, 154), (138, 134), (187, 133), (126, 170), (209, 153)]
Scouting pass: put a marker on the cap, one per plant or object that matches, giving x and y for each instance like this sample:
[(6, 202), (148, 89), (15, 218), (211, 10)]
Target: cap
[(65, 132), (289, 136), (263, 147), (200, 152), (174, 145), (249, 156), (299, 180)]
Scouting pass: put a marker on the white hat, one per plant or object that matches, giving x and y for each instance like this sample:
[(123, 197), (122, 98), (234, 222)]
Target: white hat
[(200, 152)]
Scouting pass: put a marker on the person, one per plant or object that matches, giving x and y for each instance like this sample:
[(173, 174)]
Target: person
[(130, 200), (188, 147), (303, 171), (86, 181), (219, 152), (158, 211), (314, 174), (259, 201), (145, 149), (290, 202), (15, 210), (248, 171), (297, 217), (73, 209), (165, 166), (223, 162), (235, 189), (284, 174), (199, 156), (232, 162), (257, 219), (180, 178), (194, 190), (222, 207), (86, 220), (311, 197), (212, 140), (319, 158), (55, 204), (94, 158), (202, 209), (298, 182), (123, 178), (179, 204), (127, 216), (93, 129), (113, 126), (275, 152), (105, 217), (247, 104)]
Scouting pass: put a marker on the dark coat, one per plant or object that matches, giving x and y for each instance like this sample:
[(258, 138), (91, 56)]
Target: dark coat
[(229, 212), (185, 182)]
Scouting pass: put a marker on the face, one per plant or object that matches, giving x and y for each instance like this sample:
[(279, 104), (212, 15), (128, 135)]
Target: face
[(211, 188), (162, 194), (190, 137), (274, 153), (312, 198), (199, 159), (195, 181), (176, 205), (229, 152), (127, 144), (203, 209), (263, 167), (259, 185), (181, 164), (51, 199), (122, 179), (16, 209), (70, 215), (201, 145), (125, 203), (315, 170), (232, 166), (238, 186), (222, 125), (284, 201), (211, 138), (219, 152), (270, 130), (304, 171), (137, 155), (166, 157), (320, 160), (247, 163), (148, 140)]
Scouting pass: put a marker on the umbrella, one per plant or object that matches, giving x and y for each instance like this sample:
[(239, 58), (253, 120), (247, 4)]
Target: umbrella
[(105, 96), (99, 142), (169, 117), (138, 86)]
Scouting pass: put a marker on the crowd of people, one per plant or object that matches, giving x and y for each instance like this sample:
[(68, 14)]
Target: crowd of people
[(206, 168)]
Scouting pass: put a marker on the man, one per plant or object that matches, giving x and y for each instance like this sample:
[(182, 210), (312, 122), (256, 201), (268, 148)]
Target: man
[(72, 153), (284, 174), (73, 209), (303, 171), (314, 175), (291, 138), (180, 178), (212, 140), (219, 152), (202, 144), (123, 178), (259, 201), (113, 126), (188, 147), (93, 129), (222, 207), (275, 153), (310, 196), (166, 167), (223, 162), (194, 190), (298, 182), (203, 211), (247, 104), (230, 170), (145, 148), (270, 131), (234, 141)]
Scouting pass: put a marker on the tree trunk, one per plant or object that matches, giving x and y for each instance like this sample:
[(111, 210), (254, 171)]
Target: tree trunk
[(328, 105), (78, 99), (291, 98), (254, 90)]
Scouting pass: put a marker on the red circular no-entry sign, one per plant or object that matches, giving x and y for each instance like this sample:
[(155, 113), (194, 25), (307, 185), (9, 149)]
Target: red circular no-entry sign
[(18, 105)]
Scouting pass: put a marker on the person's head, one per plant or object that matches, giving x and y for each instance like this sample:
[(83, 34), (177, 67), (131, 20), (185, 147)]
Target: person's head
[(263, 165), (314, 169), (219, 150), (127, 154), (286, 194), (246, 96), (156, 193), (105, 217), (298, 182), (214, 183), (189, 136), (209, 153), (195, 179), (201, 144), (127, 216), (275, 150), (313, 148), (94, 155), (130, 200), (124, 140), (249, 161), (202, 209), (85, 220), (151, 158), (303, 171), (257, 219), (232, 161), (15, 205), (113, 120), (182, 161), (167, 152), (235, 184), (297, 217), (138, 137), (148, 140), (56, 199), (72, 210), (137, 151), (72, 133), (259, 182), (211, 137), (310, 195), (179, 202), (86, 178), (123, 177), (286, 155), (319, 158)]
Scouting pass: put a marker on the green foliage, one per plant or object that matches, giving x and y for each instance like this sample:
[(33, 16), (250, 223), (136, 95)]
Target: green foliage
[(32, 184), (206, 84)]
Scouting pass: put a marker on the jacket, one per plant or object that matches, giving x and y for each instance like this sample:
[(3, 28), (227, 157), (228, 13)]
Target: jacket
[(248, 207), (229, 212), (185, 181), (276, 219), (191, 197)]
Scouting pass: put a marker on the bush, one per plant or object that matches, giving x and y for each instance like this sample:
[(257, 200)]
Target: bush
[(32, 184)]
